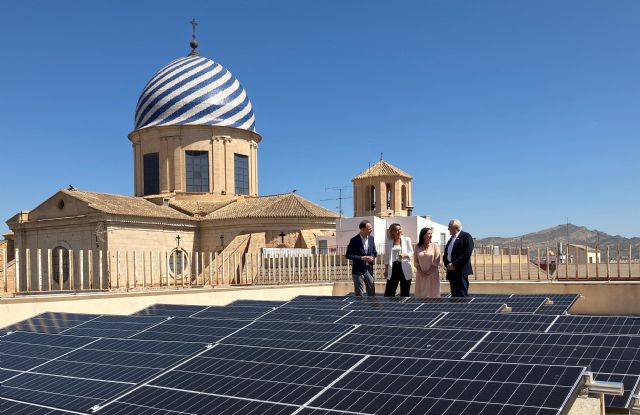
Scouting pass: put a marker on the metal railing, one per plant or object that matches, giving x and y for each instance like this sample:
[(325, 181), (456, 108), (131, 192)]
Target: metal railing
[(61, 270)]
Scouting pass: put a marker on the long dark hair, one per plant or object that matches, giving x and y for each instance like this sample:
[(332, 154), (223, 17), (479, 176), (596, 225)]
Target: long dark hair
[(423, 232)]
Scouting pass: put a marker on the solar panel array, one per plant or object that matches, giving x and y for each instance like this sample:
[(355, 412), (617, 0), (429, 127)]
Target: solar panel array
[(319, 355)]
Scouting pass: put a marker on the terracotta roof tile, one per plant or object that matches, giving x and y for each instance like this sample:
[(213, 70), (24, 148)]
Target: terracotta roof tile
[(382, 168), (125, 205), (199, 208), (287, 205)]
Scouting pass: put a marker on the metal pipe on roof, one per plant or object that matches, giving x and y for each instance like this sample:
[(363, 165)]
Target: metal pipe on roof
[(606, 388)]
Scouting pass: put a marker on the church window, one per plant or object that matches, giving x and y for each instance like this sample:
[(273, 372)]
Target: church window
[(404, 196), (179, 263), (151, 166), (323, 247), (388, 195), (55, 264), (372, 197), (241, 173), (197, 171)]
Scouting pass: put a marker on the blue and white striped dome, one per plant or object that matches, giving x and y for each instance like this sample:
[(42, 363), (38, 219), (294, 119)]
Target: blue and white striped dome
[(194, 91)]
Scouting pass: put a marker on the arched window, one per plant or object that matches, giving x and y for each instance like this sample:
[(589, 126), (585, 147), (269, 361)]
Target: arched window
[(373, 197), (55, 264), (179, 263), (388, 195), (404, 196)]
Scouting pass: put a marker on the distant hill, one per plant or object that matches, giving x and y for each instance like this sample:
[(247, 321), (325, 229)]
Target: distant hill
[(577, 235)]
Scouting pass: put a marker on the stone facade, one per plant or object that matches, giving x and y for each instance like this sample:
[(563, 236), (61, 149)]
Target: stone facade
[(191, 207), (172, 142), (382, 190)]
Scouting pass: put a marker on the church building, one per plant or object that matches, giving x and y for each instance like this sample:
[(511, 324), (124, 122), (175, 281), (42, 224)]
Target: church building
[(195, 152)]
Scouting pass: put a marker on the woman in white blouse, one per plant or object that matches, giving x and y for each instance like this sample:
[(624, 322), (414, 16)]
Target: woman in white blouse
[(397, 262), (427, 260)]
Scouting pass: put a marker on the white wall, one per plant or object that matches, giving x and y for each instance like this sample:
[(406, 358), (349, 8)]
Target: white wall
[(346, 228)]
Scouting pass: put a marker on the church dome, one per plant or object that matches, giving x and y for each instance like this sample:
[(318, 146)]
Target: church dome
[(194, 91)]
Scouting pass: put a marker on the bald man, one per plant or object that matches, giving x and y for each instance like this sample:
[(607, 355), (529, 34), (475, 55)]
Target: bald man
[(457, 259)]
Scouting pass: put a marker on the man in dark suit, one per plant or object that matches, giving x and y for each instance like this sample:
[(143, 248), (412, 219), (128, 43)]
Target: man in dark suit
[(362, 253), (457, 259)]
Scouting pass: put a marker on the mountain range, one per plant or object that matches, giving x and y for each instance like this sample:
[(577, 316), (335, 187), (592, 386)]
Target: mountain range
[(574, 234)]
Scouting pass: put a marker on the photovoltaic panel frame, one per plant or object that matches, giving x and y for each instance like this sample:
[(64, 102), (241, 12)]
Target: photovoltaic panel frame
[(415, 342), (52, 323)]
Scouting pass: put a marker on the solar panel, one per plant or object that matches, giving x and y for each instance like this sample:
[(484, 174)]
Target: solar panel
[(495, 297), (519, 304), (24, 351), (631, 387), (391, 385), (11, 407), (382, 305), (115, 326), (119, 360), (152, 400), (61, 392), (597, 324), (462, 307), (316, 298), (463, 300), (237, 379), (78, 378), (391, 318), (496, 321), (258, 303), (233, 312), (190, 329), (170, 310), (319, 305), (608, 354), (561, 304), (314, 356), (278, 376), (290, 335), (51, 322), (6, 374), (304, 314), (408, 342)]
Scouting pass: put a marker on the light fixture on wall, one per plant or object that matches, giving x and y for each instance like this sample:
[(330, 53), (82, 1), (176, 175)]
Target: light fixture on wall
[(178, 240), (222, 241), (282, 235)]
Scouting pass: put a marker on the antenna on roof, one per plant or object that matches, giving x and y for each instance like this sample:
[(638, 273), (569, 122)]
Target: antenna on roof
[(339, 198)]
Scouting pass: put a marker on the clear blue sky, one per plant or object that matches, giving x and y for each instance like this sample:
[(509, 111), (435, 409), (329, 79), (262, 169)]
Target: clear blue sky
[(511, 115)]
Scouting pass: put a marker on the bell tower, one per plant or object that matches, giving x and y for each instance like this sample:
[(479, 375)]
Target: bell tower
[(382, 190)]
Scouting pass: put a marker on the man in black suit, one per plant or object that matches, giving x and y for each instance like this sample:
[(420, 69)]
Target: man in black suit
[(362, 252), (457, 259)]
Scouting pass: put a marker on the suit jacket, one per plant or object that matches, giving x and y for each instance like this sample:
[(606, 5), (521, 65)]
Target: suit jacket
[(460, 255), (355, 251), (407, 248)]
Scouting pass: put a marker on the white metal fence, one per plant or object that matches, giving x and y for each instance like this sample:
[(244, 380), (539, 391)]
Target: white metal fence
[(61, 270)]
